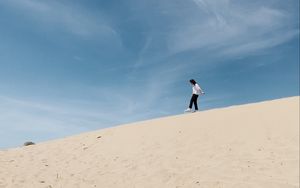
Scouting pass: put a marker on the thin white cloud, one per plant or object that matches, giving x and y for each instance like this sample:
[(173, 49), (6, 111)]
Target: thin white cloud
[(223, 28), (263, 43), (69, 17), (140, 60), (49, 108)]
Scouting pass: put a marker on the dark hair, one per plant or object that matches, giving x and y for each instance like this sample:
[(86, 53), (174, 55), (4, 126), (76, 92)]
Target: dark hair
[(193, 81)]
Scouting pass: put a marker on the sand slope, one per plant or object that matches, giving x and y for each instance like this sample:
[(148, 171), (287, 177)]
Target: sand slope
[(254, 145)]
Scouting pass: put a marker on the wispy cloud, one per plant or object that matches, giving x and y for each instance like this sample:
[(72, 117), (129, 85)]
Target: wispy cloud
[(66, 16), (142, 52), (231, 29), (260, 43), (73, 112)]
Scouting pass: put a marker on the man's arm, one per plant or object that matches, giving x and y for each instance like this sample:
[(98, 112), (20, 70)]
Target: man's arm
[(199, 89)]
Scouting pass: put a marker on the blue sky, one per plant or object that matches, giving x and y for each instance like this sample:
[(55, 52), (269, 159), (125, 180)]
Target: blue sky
[(72, 66)]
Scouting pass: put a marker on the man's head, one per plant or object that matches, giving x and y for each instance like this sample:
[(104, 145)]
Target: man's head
[(192, 81)]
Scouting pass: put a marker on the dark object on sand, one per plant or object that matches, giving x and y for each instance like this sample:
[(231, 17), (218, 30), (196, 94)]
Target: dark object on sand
[(28, 143)]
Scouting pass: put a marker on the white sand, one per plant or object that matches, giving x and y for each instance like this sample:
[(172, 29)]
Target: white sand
[(255, 145)]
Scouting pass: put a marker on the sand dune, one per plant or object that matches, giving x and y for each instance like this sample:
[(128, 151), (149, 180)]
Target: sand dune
[(254, 145)]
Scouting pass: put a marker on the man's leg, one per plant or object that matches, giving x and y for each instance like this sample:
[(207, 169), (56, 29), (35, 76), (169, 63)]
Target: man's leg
[(191, 102), (195, 101)]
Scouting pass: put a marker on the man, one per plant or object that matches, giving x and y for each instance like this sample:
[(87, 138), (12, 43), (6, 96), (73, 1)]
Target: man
[(196, 92)]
